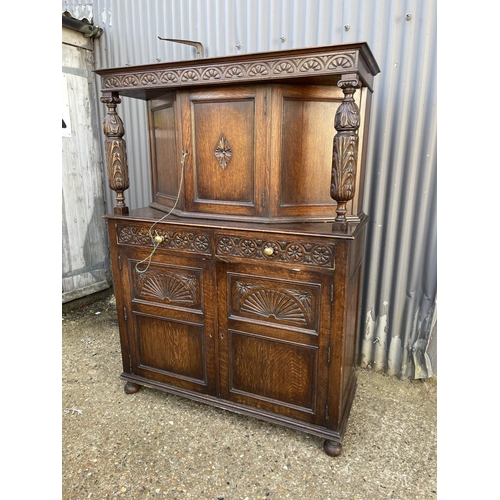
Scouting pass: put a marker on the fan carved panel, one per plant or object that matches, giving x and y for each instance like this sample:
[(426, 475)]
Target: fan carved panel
[(175, 288), (285, 304)]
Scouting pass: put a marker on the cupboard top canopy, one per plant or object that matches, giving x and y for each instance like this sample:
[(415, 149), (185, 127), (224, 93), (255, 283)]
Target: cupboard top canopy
[(314, 65)]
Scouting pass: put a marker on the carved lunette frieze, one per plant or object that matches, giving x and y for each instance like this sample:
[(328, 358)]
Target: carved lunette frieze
[(345, 148), (116, 152), (196, 242), (283, 251), (200, 74)]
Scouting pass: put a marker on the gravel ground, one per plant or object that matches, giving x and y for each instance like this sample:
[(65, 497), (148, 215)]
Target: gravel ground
[(155, 445)]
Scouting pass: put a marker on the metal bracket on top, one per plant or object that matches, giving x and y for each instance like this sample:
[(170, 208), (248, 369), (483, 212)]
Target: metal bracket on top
[(199, 47)]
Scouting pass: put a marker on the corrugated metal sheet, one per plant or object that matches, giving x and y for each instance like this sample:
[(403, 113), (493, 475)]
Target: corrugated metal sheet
[(400, 285)]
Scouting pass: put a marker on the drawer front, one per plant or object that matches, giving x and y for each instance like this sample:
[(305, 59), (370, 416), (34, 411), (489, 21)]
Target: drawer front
[(179, 239), (273, 248)]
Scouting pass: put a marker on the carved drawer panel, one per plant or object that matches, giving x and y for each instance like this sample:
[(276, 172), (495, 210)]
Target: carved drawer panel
[(198, 242), (279, 302), (170, 286), (275, 249)]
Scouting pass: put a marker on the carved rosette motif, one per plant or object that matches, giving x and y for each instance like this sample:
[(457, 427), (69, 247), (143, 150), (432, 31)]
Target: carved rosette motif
[(223, 152), (179, 240), (286, 304), (283, 251), (116, 152), (168, 287), (345, 148), (200, 74)]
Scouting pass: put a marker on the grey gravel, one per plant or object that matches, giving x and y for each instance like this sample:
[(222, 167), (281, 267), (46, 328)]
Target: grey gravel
[(155, 445)]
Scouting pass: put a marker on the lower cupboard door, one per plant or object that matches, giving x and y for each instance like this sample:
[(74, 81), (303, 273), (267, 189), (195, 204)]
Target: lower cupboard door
[(273, 349), (170, 332)]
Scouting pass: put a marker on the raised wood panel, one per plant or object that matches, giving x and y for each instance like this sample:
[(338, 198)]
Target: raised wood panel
[(303, 132), (272, 372), (224, 171), (224, 161), (306, 152), (356, 254), (170, 348), (165, 153), (352, 304)]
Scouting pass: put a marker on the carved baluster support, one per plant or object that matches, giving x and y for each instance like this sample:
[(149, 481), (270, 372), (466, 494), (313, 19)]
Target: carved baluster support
[(116, 152), (345, 147)]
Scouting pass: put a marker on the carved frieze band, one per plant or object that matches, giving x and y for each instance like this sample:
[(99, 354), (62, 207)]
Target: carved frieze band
[(182, 240), (287, 304), (283, 251), (168, 287), (276, 67)]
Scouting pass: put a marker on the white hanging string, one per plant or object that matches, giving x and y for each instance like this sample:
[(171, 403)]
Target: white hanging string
[(158, 239)]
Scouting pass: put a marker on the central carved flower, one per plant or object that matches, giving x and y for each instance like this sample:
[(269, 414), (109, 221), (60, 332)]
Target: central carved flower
[(223, 152)]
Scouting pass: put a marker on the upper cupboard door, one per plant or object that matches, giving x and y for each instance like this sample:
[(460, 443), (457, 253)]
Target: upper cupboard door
[(165, 158), (303, 132), (225, 132)]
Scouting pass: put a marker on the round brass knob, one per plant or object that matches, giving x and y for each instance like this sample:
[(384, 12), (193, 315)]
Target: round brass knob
[(269, 251)]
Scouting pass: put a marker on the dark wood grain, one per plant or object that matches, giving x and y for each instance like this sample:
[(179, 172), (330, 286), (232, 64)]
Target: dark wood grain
[(164, 152)]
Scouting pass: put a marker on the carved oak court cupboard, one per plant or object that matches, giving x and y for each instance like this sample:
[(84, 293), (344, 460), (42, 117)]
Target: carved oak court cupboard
[(239, 284)]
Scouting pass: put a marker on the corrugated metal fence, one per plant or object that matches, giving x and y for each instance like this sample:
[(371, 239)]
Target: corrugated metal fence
[(400, 286)]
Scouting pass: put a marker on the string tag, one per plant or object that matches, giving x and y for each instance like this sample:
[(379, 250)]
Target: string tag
[(157, 239)]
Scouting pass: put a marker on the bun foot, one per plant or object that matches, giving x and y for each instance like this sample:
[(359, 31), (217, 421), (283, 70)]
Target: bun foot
[(332, 448), (131, 388)]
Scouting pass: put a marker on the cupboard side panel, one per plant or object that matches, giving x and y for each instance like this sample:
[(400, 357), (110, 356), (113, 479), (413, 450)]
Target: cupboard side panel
[(165, 159), (122, 291)]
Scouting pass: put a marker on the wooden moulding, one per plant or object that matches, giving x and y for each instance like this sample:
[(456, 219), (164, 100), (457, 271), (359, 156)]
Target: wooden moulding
[(327, 62)]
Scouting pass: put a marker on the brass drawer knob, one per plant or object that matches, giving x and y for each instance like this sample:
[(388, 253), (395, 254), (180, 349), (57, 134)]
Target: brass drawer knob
[(269, 251)]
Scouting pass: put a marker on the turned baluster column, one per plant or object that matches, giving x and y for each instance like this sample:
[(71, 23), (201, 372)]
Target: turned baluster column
[(116, 153), (345, 147)]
